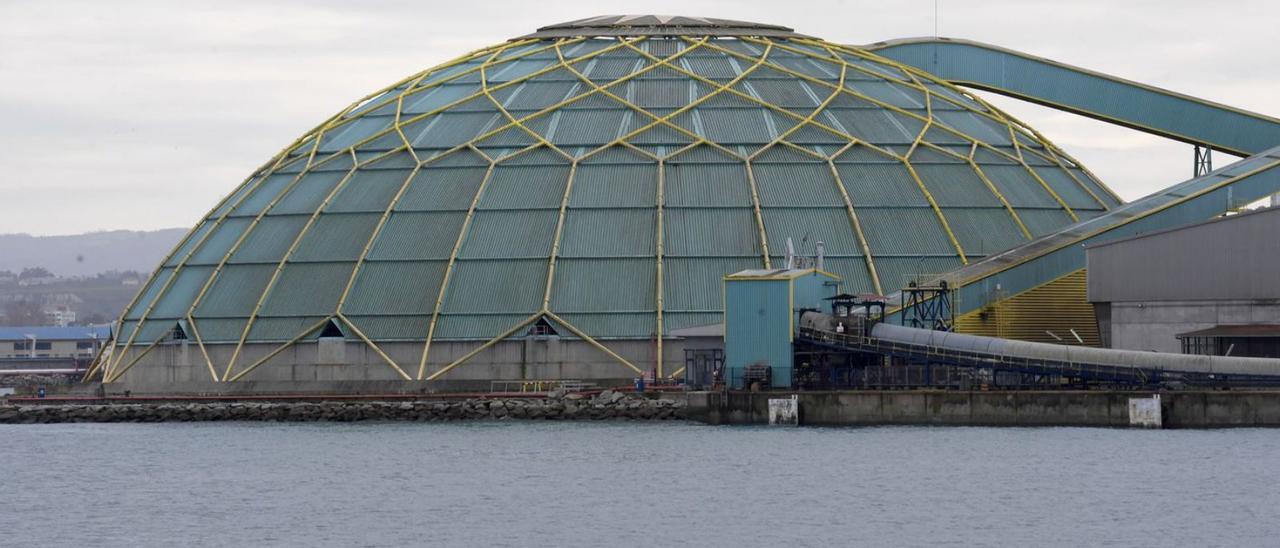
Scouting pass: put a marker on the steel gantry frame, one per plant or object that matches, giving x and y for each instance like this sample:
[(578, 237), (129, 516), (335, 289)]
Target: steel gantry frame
[(305, 153)]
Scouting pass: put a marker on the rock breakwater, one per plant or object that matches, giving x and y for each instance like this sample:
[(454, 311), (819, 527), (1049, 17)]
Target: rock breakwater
[(607, 405)]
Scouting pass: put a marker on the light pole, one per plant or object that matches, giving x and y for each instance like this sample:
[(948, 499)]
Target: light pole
[(31, 348)]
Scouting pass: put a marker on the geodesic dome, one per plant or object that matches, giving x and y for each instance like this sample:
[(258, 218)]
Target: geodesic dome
[(603, 176)]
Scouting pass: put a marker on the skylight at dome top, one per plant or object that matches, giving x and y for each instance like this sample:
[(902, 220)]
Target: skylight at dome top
[(604, 175)]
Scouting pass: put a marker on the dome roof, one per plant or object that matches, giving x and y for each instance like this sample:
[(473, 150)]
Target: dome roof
[(610, 171)]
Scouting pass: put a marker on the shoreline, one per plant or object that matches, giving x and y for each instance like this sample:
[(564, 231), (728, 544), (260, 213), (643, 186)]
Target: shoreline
[(607, 405)]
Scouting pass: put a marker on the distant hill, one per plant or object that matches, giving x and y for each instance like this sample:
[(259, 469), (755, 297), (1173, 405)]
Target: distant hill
[(90, 253)]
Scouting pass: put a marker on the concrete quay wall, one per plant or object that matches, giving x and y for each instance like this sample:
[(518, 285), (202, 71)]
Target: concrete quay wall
[(1183, 409)]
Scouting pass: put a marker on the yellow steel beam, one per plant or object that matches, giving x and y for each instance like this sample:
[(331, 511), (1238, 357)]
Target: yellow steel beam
[(484, 88), (376, 349), (659, 242), (203, 352), (103, 351), (276, 351), (275, 275), (946, 227), (755, 207), (118, 372), (448, 270), (581, 334), (559, 234), (853, 221), (509, 332), (1023, 162)]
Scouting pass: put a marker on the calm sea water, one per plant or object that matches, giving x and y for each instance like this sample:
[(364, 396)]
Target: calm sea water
[(632, 484)]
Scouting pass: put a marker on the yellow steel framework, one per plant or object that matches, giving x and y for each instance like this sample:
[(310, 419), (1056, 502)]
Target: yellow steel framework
[(748, 54)]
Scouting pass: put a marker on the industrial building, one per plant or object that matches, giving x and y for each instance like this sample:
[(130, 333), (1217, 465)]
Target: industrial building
[(567, 205), (43, 347), (1206, 288)]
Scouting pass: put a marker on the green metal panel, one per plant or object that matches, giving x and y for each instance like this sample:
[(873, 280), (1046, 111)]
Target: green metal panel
[(475, 327), (614, 185), (236, 195), (983, 231), (496, 286), (1043, 221), (219, 241), (393, 328), (510, 233), (617, 325), (795, 184), (396, 288), (358, 129), (411, 235), (450, 129), (681, 320), (149, 292), (587, 127), (876, 126), (221, 330), (903, 231), (442, 189), (1067, 189), (310, 289), (336, 237), (522, 186), (537, 95), (887, 92), (609, 233), (235, 291), (190, 241), (707, 184), (1097, 189), (880, 184), (436, 97), (307, 194), (694, 284), (281, 329), (604, 285), (807, 226), (732, 124), (854, 276), (1019, 187), (269, 240), (956, 186), (369, 190), (710, 232), (177, 299), (259, 197)]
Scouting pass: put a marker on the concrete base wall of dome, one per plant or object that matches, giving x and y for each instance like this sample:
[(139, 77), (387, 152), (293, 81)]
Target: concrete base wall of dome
[(338, 366)]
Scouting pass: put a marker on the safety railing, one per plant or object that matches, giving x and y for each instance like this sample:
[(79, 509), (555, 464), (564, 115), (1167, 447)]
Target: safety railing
[(525, 385)]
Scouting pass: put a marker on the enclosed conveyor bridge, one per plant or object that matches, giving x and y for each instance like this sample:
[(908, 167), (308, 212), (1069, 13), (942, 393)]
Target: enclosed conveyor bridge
[(1106, 366), (1089, 93), (1115, 100)]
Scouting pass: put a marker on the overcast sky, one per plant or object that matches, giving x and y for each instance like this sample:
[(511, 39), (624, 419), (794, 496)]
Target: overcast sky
[(141, 114)]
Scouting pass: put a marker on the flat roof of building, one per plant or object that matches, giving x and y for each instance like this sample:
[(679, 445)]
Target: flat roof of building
[(54, 333), (1226, 219)]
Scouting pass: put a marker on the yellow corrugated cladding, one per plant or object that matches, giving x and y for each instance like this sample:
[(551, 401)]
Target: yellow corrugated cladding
[(1059, 306)]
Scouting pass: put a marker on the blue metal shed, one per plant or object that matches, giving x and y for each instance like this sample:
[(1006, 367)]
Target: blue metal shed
[(761, 307)]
